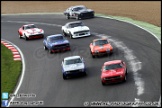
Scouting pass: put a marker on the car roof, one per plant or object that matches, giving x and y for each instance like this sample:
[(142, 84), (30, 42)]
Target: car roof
[(71, 57), (77, 6), (74, 22), (99, 39), (28, 24), (54, 35), (112, 62)]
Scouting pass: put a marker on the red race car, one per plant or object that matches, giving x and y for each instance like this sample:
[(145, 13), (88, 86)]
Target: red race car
[(30, 31), (100, 47), (113, 71)]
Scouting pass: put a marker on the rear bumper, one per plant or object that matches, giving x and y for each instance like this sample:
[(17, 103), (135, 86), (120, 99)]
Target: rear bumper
[(61, 49), (36, 36), (102, 53), (74, 74)]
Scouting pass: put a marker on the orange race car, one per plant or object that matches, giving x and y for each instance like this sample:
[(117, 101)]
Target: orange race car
[(100, 47)]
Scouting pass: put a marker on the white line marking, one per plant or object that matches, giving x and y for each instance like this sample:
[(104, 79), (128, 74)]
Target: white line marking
[(159, 105), (22, 73)]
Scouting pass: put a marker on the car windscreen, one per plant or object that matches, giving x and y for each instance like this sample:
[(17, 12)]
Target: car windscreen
[(75, 25), (73, 61), (30, 27), (100, 42), (78, 8), (53, 39), (113, 66)]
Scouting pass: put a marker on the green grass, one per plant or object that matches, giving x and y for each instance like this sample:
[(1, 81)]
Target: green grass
[(10, 70)]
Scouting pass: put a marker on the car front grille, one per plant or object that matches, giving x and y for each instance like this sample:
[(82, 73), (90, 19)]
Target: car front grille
[(81, 32), (87, 14), (74, 71), (110, 78)]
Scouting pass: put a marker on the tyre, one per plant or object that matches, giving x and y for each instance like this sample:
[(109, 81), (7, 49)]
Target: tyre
[(93, 56), (45, 48), (71, 36), (67, 16), (77, 17), (126, 72), (125, 78), (50, 51), (103, 83), (19, 35), (64, 33), (84, 73), (25, 37), (64, 77)]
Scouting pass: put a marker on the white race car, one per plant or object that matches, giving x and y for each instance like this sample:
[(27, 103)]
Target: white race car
[(72, 66), (30, 31), (75, 29)]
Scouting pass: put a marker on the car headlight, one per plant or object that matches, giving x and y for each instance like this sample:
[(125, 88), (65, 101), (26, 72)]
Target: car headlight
[(96, 51), (81, 70), (108, 50), (67, 72)]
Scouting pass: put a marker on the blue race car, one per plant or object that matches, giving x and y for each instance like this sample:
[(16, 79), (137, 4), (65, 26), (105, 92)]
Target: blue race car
[(56, 43)]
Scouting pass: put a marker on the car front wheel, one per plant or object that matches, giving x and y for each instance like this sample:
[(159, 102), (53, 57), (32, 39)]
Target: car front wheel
[(103, 83), (125, 78), (64, 33), (77, 17), (19, 35), (71, 36), (25, 37), (67, 16), (64, 77), (50, 51), (45, 48)]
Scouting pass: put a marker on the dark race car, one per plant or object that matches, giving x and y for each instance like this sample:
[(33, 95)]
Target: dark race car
[(79, 12), (56, 43)]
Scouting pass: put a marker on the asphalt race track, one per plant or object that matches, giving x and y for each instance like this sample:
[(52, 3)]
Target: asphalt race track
[(43, 75)]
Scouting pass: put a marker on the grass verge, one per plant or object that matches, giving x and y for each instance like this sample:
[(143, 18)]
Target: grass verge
[(10, 70)]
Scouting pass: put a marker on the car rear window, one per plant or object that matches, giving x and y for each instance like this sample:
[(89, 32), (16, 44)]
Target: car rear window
[(73, 61), (100, 42)]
